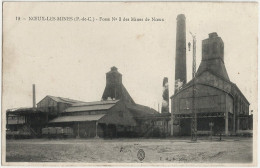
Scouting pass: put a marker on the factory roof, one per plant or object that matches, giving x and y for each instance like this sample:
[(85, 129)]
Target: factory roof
[(23, 110), (239, 91), (63, 119), (111, 116), (215, 65), (91, 106), (138, 110), (20, 109), (126, 95), (64, 100), (190, 83)]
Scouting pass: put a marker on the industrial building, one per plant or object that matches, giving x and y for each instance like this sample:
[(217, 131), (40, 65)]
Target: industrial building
[(210, 99), (210, 94), (116, 115)]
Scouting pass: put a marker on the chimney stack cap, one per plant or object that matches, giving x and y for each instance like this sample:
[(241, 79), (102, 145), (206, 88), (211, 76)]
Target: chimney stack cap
[(181, 17), (113, 68), (212, 35)]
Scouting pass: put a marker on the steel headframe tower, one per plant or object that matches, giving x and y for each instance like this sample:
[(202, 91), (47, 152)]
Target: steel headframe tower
[(194, 113)]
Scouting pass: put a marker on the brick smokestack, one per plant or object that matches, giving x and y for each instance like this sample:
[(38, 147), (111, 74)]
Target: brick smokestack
[(180, 59), (34, 96)]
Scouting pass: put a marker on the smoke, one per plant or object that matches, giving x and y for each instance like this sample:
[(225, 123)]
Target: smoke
[(178, 84), (165, 103), (165, 95)]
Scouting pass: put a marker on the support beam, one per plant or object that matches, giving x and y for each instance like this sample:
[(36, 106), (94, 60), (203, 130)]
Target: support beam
[(171, 123), (125, 130), (116, 130), (106, 130), (234, 123), (167, 126), (96, 130), (78, 131), (47, 117), (34, 98), (226, 124), (164, 129), (7, 116), (238, 123)]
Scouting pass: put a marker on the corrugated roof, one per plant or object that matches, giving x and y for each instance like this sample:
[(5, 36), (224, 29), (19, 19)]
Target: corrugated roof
[(141, 111), (77, 118), (23, 110), (65, 100), (91, 106), (96, 103), (20, 109)]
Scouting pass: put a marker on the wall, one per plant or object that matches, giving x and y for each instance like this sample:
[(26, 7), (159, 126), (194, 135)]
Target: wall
[(49, 105), (87, 129), (229, 104), (16, 120), (119, 115), (208, 99), (212, 80), (211, 96)]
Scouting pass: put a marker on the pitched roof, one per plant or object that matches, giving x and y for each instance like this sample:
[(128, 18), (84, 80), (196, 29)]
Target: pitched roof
[(64, 100), (103, 102), (141, 111), (20, 109), (23, 110), (77, 118), (91, 106), (190, 83), (239, 91), (126, 95), (121, 92)]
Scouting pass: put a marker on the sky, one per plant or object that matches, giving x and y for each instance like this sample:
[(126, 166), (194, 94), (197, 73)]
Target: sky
[(70, 59)]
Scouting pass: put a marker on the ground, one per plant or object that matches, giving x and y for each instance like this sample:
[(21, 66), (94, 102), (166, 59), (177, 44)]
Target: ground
[(172, 150)]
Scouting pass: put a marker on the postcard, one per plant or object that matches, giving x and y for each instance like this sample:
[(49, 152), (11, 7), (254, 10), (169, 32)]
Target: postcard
[(129, 83)]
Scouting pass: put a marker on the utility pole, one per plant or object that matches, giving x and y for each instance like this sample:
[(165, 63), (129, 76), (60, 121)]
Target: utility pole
[(194, 113)]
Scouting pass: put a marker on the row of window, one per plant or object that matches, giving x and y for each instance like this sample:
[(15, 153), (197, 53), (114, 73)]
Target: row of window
[(16, 117)]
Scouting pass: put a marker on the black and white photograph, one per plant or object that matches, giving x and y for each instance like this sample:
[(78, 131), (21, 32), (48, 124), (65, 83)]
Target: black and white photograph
[(129, 83)]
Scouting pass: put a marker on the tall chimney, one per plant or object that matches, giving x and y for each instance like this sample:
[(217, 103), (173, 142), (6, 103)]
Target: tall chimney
[(180, 59), (34, 97)]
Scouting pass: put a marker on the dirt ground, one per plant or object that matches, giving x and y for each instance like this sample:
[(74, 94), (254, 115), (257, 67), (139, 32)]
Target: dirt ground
[(175, 150)]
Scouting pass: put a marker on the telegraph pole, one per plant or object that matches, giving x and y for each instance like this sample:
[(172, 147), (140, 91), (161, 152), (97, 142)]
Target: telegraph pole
[(194, 113)]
